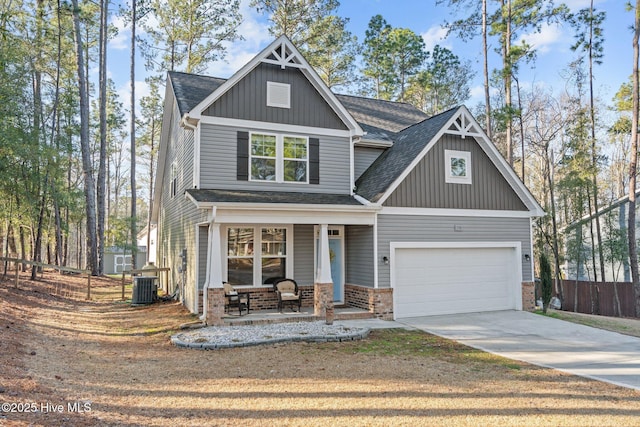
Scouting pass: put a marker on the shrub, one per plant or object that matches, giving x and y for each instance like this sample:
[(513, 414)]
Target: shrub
[(545, 281)]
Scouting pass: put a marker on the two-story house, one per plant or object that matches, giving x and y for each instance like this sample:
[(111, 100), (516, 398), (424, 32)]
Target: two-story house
[(363, 202)]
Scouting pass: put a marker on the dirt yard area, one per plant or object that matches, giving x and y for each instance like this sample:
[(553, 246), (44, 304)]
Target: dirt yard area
[(104, 363)]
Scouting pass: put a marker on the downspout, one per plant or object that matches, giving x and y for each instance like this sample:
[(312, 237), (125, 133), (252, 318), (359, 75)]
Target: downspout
[(352, 178), (184, 122)]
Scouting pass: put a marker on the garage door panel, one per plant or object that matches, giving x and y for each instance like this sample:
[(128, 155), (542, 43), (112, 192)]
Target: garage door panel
[(430, 281)]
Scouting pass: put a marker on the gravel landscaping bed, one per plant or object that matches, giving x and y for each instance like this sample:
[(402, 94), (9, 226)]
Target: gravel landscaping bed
[(215, 337)]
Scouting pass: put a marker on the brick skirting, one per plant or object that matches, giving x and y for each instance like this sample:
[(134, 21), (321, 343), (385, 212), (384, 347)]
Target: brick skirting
[(265, 298), (528, 296), (379, 302)]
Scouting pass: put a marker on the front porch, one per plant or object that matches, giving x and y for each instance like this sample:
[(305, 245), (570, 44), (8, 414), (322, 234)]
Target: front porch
[(361, 302)]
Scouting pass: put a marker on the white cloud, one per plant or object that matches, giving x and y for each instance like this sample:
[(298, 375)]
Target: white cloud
[(543, 41), (434, 36), (122, 40), (477, 92)]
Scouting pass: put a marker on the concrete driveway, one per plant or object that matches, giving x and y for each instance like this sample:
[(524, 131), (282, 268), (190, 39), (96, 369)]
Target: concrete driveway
[(543, 341)]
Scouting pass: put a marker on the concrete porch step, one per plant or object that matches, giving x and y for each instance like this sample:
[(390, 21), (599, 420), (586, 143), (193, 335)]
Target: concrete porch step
[(262, 317)]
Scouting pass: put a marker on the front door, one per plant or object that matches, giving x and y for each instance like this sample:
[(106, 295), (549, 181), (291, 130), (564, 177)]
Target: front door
[(336, 255)]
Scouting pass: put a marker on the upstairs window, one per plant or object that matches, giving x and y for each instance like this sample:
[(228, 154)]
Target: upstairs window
[(263, 157), (457, 167), (279, 158), (173, 179), (295, 159)]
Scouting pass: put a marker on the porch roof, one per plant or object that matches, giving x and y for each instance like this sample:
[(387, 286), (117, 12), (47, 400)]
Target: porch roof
[(214, 196)]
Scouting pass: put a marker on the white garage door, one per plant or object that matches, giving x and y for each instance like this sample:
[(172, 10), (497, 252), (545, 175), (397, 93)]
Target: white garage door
[(432, 281)]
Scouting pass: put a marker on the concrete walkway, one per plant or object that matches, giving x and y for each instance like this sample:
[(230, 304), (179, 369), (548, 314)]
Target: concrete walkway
[(543, 341)]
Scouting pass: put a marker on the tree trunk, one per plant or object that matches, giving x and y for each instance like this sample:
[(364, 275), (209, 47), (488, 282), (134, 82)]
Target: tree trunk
[(55, 140), (134, 237), (507, 74), (6, 242), (631, 225), (87, 166), (37, 248), (594, 151), (554, 224), (151, 159), (103, 133), (593, 240), (521, 129), (487, 98)]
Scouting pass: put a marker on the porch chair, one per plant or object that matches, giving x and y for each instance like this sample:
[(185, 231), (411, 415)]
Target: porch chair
[(233, 298), (288, 293)]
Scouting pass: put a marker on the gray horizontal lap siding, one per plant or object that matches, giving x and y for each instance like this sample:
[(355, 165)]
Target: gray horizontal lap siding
[(303, 262), (178, 216), (425, 186), (203, 251), (247, 100), (218, 157), (363, 158), (359, 258), (410, 228)]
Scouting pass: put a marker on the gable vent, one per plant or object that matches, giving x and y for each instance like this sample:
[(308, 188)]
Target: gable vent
[(278, 95)]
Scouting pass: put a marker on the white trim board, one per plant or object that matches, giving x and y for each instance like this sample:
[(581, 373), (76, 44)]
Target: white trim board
[(273, 127), (455, 212)]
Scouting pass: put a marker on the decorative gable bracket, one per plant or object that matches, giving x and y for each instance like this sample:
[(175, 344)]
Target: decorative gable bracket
[(464, 126), (284, 57)]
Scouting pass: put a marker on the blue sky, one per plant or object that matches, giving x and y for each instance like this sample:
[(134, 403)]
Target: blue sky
[(425, 18)]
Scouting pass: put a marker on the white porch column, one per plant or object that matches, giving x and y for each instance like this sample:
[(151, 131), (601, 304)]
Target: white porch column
[(323, 272), (215, 252), (323, 286), (214, 266)]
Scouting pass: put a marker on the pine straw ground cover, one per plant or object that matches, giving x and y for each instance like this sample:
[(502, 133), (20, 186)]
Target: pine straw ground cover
[(115, 363)]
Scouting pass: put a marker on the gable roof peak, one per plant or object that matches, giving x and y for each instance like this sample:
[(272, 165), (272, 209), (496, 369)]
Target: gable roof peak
[(283, 53)]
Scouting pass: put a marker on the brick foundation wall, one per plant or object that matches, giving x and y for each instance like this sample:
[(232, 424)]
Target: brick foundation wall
[(265, 298), (379, 302), (528, 296)]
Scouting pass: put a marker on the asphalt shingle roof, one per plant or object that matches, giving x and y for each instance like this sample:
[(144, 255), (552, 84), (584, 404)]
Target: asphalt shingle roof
[(191, 89), (249, 196), (389, 166), (375, 115)]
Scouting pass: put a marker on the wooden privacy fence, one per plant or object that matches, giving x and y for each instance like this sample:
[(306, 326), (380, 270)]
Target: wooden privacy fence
[(17, 262), (599, 298)]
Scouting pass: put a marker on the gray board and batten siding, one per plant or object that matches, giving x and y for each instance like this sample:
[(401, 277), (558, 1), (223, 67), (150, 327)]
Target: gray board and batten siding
[(425, 186), (247, 100), (219, 154), (415, 228)]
